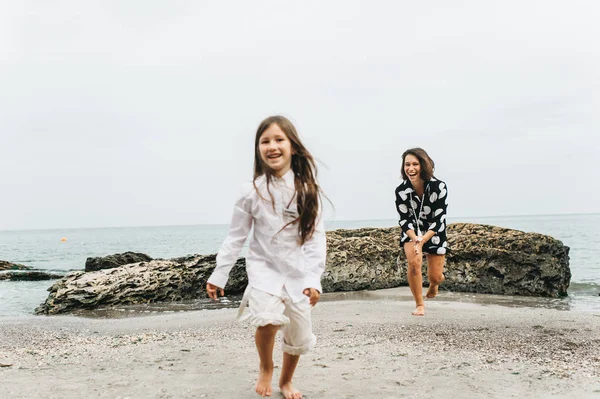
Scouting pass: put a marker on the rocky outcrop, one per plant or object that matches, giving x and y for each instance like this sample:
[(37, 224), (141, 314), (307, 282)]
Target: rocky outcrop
[(484, 259), (116, 260), (17, 272), (29, 275), (495, 260), (158, 280), (362, 259), (5, 265)]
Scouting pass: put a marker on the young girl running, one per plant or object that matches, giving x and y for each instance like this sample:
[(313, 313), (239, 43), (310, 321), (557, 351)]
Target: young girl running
[(421, 203), (286, 255)]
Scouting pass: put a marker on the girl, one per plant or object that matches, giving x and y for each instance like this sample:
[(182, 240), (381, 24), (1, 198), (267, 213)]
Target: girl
[(421, 203), (286, 255)]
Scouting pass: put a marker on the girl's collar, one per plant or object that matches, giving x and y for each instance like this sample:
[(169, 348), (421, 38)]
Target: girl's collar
[(287, 178), (289, 175)]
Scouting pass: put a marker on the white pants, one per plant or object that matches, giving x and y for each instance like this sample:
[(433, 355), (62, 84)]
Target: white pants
[(294, 318)]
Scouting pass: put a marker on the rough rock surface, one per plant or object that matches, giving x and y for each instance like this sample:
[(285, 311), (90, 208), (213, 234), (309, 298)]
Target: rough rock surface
[(5, 265), (29, 275), (362, 259), (495, 260), (158, 280), (18, 272), (116, 260), (484, 259)]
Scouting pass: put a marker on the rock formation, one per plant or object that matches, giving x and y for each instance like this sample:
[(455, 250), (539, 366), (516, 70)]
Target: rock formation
[(116, 260), (483, 259)]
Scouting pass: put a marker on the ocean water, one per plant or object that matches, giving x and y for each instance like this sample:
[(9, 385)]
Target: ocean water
[(43, 249)]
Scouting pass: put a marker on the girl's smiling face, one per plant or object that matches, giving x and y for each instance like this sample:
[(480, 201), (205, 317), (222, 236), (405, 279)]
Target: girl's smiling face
[(412, 168), (276, 150)]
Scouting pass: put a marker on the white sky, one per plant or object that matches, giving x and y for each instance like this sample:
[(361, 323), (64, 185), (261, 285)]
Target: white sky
[(126, 113)]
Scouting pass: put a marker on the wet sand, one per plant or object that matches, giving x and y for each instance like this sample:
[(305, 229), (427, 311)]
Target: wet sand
[(467, 346)]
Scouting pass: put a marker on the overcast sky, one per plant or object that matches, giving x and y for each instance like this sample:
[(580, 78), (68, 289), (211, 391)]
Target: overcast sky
[(128, 113)]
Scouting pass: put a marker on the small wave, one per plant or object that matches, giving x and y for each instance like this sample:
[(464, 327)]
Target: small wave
[(584, 289), (64, 271)]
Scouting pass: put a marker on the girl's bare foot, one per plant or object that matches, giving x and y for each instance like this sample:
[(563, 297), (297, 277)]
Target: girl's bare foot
[(288, 391), (419, 311), (432, 291), (263, 383)]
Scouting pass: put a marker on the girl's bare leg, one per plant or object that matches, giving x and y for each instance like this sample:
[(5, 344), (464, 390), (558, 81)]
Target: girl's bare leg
[(415, 281), (265, 340), (287, 372), (435, 273)]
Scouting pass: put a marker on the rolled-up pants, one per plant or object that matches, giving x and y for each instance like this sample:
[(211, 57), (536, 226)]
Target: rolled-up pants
[(294, 319)]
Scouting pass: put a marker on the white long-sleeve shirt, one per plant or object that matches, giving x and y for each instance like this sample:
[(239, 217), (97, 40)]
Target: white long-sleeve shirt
[(275, 257)]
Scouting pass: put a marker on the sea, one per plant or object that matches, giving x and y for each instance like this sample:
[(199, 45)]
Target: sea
[(43, 249)]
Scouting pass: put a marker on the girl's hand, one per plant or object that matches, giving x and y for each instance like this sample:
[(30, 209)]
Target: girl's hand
[(211, 290), (313, 294)]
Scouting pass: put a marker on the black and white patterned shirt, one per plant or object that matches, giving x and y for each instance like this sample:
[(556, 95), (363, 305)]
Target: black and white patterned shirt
[(431, 211)]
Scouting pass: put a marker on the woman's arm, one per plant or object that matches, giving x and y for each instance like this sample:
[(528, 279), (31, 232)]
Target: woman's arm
[(439, 205), (403, 207)]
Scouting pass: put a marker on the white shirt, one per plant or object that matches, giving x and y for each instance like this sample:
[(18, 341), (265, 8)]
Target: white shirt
[(275, 259)]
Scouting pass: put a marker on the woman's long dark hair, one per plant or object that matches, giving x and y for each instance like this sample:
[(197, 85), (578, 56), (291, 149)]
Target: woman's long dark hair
[(427, 164), (305, 173)]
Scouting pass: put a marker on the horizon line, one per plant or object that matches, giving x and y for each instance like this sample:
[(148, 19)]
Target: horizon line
[(326, 221)]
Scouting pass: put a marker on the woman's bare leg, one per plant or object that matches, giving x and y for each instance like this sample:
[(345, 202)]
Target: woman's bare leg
[(415, 280), (435, 273)]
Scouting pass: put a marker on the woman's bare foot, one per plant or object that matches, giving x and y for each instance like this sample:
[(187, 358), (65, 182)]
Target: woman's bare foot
[(419, 311), (432, 291), (288, 391), (263, 383)]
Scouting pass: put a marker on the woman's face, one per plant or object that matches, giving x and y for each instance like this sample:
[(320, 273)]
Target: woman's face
[(412, 168)]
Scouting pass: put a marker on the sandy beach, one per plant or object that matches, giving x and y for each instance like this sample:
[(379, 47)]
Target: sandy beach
[(368, 346)]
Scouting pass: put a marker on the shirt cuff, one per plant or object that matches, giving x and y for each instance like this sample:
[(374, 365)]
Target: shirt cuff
[(218, 279), (313, 282)]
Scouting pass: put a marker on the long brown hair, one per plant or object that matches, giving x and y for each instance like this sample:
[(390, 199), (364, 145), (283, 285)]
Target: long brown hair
[(305, 176), (427, 164)]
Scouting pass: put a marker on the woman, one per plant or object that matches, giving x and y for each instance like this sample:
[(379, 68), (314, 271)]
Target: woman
[(421, 203)]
